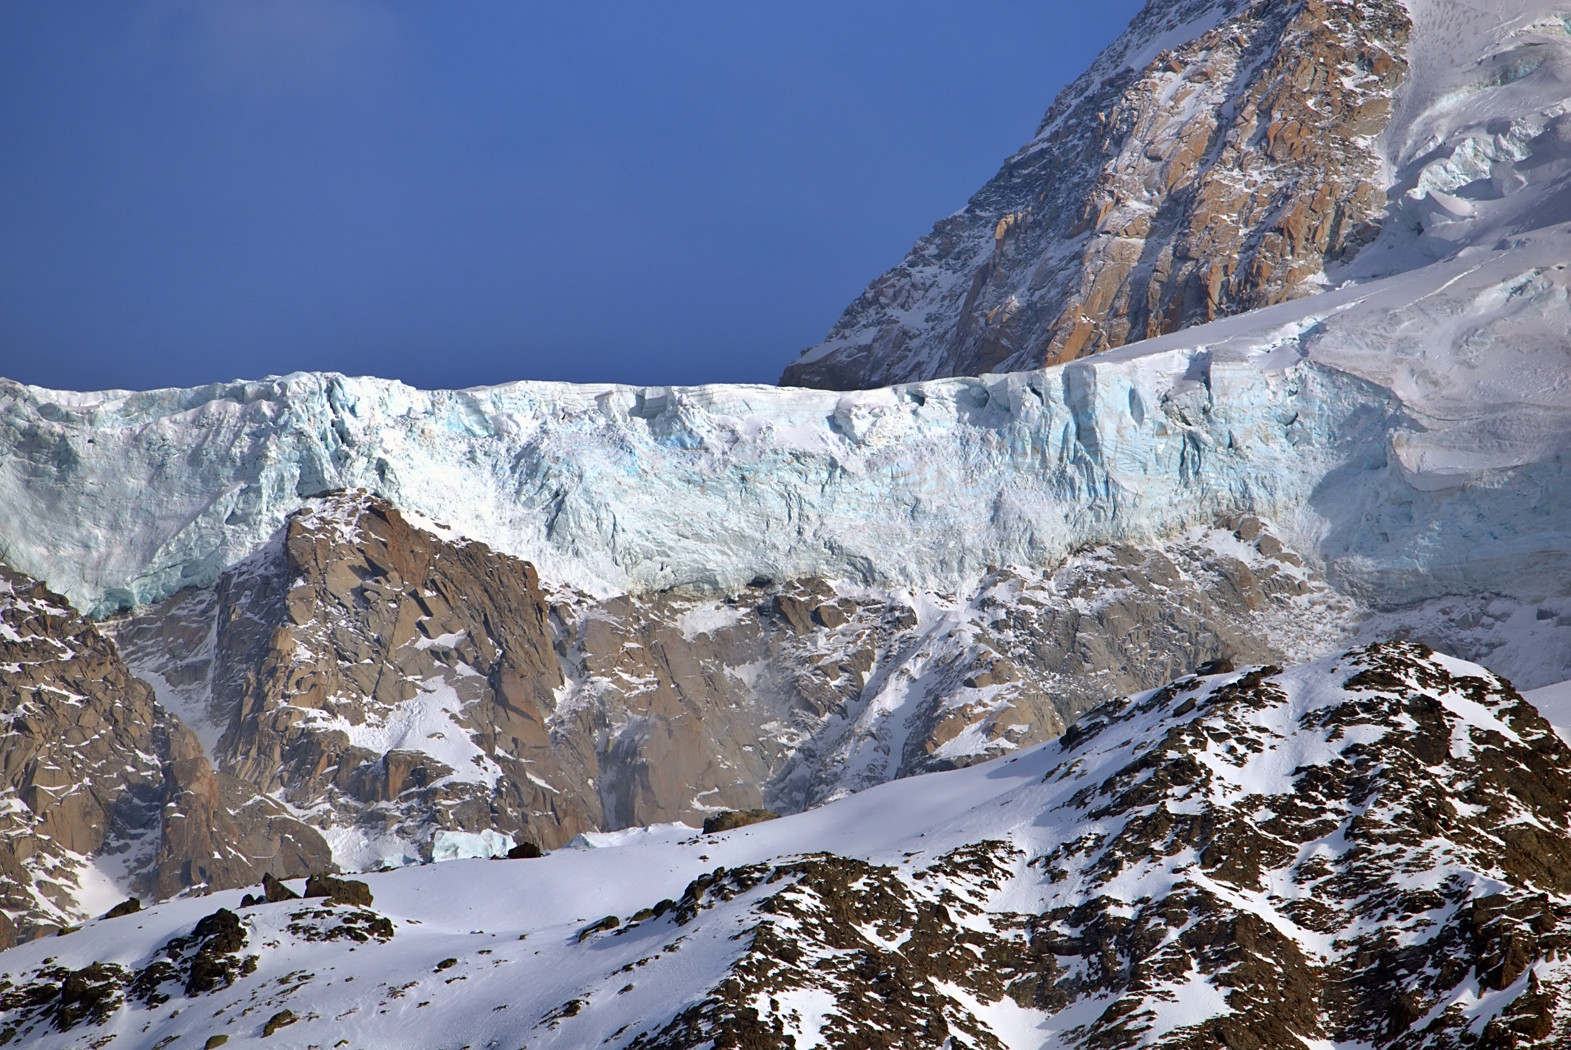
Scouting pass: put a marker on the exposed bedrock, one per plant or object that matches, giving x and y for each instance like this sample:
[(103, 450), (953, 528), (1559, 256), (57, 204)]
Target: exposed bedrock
[(1164, 188), (390, 685)]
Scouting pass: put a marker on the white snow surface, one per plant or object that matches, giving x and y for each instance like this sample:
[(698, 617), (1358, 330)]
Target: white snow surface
[(428, 723), (1554, 703)]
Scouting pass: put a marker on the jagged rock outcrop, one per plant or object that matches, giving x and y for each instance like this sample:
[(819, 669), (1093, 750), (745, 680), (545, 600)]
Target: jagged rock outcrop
[(1372, 851), (1164, 188), (381, 681), (95, 772), (391, 685)]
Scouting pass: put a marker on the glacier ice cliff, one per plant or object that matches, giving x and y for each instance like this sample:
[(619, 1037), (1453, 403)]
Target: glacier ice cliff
[(1408, 430), (121, 499)]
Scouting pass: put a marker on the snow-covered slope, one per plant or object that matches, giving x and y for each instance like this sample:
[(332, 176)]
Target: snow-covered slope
[(1371, 850)]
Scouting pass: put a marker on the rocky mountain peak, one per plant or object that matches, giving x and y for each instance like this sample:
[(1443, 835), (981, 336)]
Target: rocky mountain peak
[(102, 790), (1215, 159)]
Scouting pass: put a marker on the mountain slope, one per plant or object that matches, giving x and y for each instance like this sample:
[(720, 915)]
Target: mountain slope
[(1218, 158), (400, 690), (404, 624), (1213, 160), (1370, 851), (1386, 424)]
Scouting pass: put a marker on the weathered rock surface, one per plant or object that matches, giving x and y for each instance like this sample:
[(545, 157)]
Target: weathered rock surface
[(1164, 188), (208, 959), (1370, 850), (95, 772), (389, 685), (731, 819), (339, 891)]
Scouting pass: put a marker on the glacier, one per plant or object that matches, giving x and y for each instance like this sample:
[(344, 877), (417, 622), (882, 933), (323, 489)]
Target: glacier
[(1409, 430), (612, 488)]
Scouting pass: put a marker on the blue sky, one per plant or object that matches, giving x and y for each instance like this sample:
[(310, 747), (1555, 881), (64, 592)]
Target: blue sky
[(454, 194)]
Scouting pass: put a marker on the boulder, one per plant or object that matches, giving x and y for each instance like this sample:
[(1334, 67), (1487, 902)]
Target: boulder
[(731, 819), (339, 891)]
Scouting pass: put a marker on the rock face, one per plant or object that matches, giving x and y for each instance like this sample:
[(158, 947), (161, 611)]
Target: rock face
[(390, 685), (381, 681), (96, 773), (1164, 188)]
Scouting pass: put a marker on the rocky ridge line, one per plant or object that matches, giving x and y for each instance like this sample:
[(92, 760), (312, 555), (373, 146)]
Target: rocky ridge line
[(1373, 849)]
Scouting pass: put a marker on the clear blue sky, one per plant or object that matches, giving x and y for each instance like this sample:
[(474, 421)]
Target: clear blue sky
[(462, 193)]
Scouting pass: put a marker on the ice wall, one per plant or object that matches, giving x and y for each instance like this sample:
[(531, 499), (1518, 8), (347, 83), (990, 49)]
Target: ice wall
[(1410, 429), (124, 498)]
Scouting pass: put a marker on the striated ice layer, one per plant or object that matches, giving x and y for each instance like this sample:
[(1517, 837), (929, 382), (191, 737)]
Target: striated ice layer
[(122, 498), (468, 845)]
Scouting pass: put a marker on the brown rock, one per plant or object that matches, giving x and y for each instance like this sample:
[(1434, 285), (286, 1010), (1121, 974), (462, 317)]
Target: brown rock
[(792, 610), (282, 1019), (275, 891), (129, 906), (731, 819), (1221, 177), (339, 891), (91, 741), (604, 713), (829, 616)]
